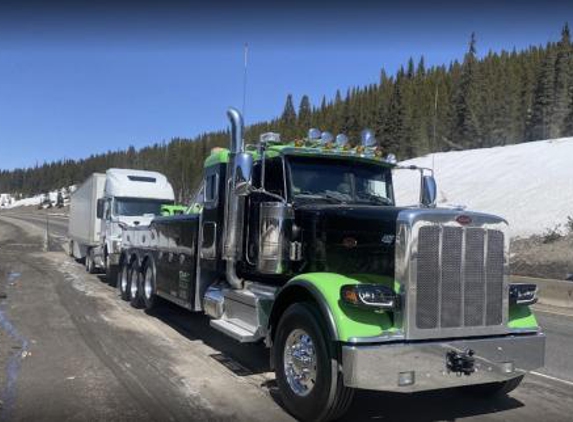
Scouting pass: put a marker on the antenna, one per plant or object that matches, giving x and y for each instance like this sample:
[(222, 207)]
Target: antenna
[(246, 62)]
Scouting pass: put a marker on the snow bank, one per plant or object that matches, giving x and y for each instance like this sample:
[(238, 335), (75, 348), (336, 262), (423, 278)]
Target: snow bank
[(529, 184)]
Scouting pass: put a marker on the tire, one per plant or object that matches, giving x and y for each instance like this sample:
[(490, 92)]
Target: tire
[(135, 286), (111, 272), (90, 265), (493, 389), (322, 396), (148, 287), (124, 281)]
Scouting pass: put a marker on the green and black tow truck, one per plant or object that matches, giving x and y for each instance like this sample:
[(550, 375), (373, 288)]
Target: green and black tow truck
[(300, 246)]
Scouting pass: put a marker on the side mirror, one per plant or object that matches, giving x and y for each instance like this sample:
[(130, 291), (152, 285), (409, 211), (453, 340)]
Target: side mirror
[(99, 209), (242, 173), (429, 191)]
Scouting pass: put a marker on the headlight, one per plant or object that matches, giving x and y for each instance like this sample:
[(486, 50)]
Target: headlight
[(522, 294), (116, 246), (369, 296)]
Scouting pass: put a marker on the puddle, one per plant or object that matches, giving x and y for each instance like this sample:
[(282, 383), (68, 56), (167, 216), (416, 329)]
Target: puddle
[(8, 396), (13, 278)]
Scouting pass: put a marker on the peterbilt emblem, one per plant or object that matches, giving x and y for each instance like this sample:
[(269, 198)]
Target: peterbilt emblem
[(349, 242), (387, 239), (464, 219)]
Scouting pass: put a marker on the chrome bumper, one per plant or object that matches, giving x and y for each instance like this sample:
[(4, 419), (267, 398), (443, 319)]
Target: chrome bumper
[(420, 366)]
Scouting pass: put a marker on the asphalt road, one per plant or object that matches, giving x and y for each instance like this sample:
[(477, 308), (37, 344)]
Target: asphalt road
[(71, 351)]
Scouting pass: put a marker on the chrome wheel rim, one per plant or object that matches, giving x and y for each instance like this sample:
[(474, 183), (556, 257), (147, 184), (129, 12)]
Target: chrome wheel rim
[(133, 286), (300, 362), (148, 285), (123, 283)]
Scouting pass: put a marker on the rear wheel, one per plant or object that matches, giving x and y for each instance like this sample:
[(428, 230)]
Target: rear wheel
[(493, 389), (134, 285), (148, 288), (124, 282), (310, 384)]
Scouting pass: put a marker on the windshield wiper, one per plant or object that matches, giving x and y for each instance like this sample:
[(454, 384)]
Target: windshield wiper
[(337, 196), (370, 197)]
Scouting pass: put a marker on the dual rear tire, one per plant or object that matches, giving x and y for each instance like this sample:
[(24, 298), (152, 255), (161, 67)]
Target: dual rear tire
[(137, 285)]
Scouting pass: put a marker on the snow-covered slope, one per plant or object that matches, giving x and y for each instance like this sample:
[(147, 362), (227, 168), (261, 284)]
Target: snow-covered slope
[(529, 184)]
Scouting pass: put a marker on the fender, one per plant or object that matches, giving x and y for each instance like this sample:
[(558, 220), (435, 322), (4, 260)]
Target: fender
[(344, 322)]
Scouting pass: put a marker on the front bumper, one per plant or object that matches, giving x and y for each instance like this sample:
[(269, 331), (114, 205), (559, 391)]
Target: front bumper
[(421, 365), (114, 258)]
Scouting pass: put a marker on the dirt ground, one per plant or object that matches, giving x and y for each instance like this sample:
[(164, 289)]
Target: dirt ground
[(536, 257)]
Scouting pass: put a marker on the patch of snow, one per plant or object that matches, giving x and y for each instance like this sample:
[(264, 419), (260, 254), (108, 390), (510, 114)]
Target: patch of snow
[(528, 184)]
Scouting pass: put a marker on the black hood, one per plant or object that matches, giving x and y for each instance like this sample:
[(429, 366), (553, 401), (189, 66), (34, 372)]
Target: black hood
[(348, 239)]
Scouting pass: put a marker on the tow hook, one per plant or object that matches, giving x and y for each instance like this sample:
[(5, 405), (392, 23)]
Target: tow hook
[(461, 363)]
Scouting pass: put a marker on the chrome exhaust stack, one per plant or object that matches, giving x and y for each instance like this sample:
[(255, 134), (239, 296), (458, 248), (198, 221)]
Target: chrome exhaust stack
[(238, 183)]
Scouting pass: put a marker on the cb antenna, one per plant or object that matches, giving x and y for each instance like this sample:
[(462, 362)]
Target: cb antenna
[(246, 62)]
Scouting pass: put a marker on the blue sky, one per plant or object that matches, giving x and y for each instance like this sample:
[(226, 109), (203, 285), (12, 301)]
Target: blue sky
[(79, 81)]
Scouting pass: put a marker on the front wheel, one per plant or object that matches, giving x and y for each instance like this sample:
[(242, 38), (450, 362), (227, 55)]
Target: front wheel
[(90, 264), (493, 389), (124, 285), (111, 272), (310, 384)]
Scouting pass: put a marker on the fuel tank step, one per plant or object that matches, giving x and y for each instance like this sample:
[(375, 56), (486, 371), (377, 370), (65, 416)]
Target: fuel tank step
[(236, 329)]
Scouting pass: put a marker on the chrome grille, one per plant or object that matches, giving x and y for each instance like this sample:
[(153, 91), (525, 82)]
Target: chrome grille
[(460, 275)]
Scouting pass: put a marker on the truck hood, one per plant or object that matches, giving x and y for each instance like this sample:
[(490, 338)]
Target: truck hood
[(348, 239)]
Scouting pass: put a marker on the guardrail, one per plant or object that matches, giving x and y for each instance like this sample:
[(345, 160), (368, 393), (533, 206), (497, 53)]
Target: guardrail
[(551, 292)]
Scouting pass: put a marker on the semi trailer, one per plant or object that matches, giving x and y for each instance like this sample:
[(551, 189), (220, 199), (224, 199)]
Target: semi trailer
[(106, 204), (300, 246)]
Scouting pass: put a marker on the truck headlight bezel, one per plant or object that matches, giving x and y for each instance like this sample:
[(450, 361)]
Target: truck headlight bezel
[(370, 296), (116, 246), (523, 294)]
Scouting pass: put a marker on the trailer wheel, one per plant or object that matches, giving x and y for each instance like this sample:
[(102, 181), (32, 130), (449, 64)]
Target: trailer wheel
[(310, 384), (90, 265), (135, 285), (124, 282), (493, 389), (149, 287)]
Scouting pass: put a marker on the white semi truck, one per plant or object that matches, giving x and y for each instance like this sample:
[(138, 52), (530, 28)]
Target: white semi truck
[(106, 204)]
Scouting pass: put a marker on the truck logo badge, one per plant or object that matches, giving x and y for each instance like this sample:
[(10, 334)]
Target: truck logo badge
[(464, 219), (387, 239), (349, 242)]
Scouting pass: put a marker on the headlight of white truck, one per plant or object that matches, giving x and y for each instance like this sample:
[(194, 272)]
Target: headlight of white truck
[(116, 246)]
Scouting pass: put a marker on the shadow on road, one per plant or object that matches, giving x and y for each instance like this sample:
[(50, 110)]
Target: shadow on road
[(440, 405)]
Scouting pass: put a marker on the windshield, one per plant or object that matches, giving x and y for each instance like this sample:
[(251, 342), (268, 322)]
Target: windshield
[(131, 207), (339, 180)]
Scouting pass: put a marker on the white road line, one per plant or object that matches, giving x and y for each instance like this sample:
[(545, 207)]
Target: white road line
[(549, 377)]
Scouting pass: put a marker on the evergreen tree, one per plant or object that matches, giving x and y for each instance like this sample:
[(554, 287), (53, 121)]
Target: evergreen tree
[(288, 119), (304, 114), (466, 127)]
